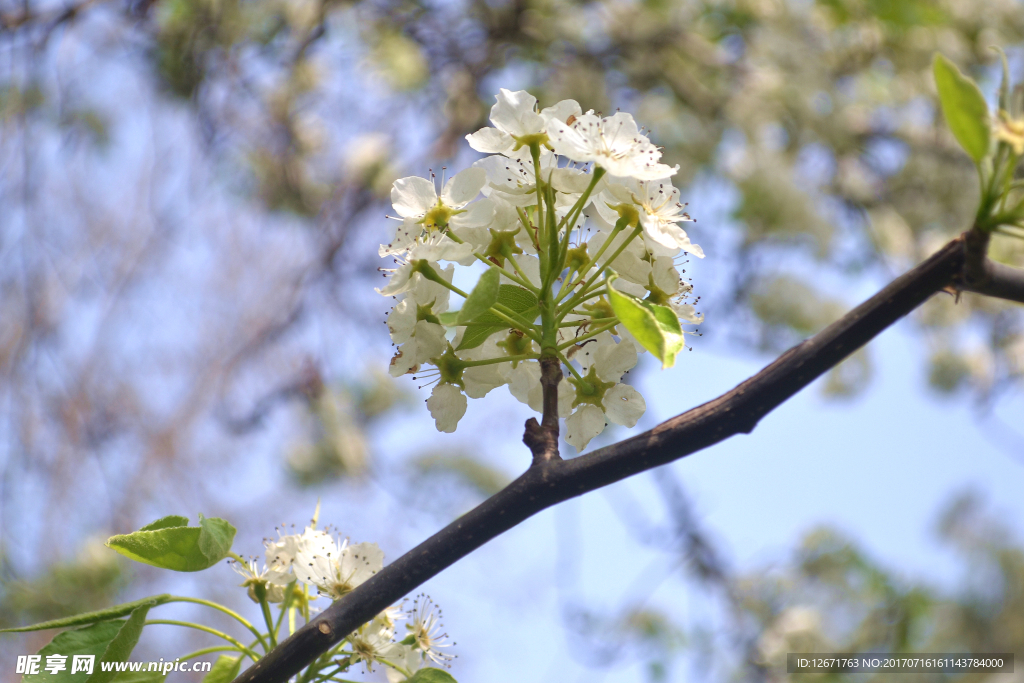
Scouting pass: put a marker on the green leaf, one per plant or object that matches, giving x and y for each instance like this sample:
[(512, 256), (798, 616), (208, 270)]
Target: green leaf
[(964, 107), (655, 327), (215, 539), (483, 296), (448, 318), (120, 647), (224, 670), (166, 522), (520, 300), (431, 676), (107, 614), (181, 548), (91, 640)]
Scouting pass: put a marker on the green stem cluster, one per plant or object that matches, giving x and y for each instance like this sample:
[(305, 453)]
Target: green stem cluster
[(552, 238), (326, 668)]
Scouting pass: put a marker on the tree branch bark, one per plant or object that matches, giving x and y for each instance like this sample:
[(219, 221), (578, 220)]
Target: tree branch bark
[(542, 438), (981, 275), (549, 481)]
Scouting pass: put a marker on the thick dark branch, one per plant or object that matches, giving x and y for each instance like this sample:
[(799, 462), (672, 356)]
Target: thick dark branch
[(984, 276), (997, 280), (549, 482)]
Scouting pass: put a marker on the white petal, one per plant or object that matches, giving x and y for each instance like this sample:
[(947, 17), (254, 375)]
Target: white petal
[(631, 267), (399, 281), (477, 215), (524, 380), (481, 379), (649, 171), (447, 405), (687, 313), (624, 405), (665, 275), (620, 131), (442, 248), (614, 359), (402, 320), (566, 395), (657, 249), (505, 173), (405, 237), (583, 425), (631, 288), (413, 196), (571, 180), (404, 360), (622, 190), (561, 111), (491, 141), (427, 292), (626, 336), (463, 187), (431, 341), (359, 562), (479, 238), (512, 110)]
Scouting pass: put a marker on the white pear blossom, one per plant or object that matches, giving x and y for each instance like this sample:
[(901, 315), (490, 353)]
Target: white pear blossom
[(515, 115), (374, 642), (660, 212), (513, 178), (610, 359), (281, 554), (614, 143), (427, 630), (513, 229), (272, 580), (336, 570), (426, 341), (417, 197), (425, 216), (426, 292)]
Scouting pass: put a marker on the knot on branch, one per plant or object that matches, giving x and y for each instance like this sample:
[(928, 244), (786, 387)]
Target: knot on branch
[(542, 441)]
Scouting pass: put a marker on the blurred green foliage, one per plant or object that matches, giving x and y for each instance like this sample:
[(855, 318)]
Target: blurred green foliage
[(821, 116), (85, 583), (832, 597), (826, 595)]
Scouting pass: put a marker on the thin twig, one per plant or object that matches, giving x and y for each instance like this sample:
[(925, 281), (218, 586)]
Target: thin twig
[(542, 439)]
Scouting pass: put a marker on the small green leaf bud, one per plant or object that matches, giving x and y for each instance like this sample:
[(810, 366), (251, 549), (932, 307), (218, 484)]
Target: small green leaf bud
[(577, 259), (503, 245), (590, 389), (451, 367)]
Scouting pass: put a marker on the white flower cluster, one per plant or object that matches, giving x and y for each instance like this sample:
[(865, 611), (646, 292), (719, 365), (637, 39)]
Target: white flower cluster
[(565, 202), (315, 560)]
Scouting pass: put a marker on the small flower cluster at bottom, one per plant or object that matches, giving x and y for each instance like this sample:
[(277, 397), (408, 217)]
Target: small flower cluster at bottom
[(302, 567)]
